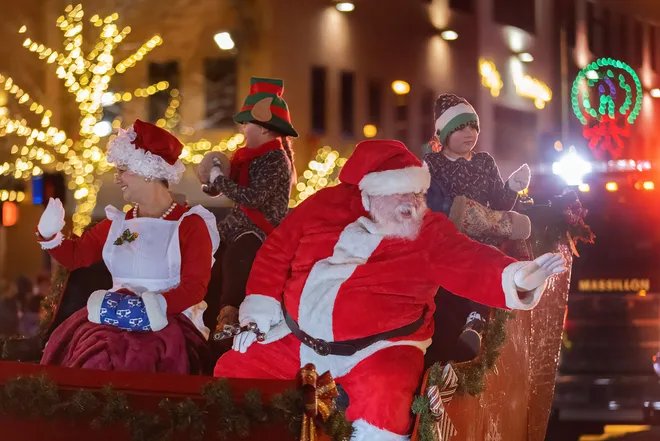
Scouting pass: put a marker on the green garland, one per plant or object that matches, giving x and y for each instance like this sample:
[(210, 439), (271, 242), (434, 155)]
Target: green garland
[(471, 375), (38, 396)]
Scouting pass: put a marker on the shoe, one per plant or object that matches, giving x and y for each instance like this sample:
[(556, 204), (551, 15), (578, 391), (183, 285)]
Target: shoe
[(468, 346)]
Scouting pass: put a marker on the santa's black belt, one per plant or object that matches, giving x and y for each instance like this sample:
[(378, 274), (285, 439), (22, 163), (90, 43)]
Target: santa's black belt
[(348, 347)]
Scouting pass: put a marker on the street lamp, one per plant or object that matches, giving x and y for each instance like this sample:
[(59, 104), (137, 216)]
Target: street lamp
[(369, 130), (449, 35), (345, 6), (400, 87), (224, 41)]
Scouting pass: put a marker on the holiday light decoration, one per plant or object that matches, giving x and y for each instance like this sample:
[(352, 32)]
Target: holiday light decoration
[(533, 88), (490, 77), (87, 76), (12, 195), (193, 150), (607, 98), (323, 171)]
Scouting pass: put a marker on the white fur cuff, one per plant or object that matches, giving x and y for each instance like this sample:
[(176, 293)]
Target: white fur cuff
[(94, 306), (363, 431), (264, 310), (156, 307), (515, 299), (52, 243)]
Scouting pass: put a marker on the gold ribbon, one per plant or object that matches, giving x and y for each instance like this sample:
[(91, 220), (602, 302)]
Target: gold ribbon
[(319, 394), (439, 396)]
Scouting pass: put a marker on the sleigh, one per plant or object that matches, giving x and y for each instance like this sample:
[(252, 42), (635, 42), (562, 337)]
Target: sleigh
[(503, 394)]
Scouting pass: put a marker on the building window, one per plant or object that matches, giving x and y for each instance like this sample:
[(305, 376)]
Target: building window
[(375, 102), (427, 123), (569, 22), (623, 38), (158, 102), (518, 13), (594, 30), (319, 75), (461, 5), (401, 118), (605, 26), (347, 106), (637, 56), (220, 75), (515, 137)]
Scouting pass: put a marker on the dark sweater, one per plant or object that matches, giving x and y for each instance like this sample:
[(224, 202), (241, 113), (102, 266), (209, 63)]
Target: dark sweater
[(268, 192), (478, 179)]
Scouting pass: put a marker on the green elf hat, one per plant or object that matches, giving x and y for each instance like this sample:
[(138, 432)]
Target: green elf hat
[(266, 107)]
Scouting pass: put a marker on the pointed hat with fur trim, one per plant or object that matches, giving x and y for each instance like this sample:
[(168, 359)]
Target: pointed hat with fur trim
[(384, 167)]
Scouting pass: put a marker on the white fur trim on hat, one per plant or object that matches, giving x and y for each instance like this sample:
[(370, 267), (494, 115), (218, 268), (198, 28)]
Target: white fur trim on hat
[(123, 153), (452, 113), (401, 181)]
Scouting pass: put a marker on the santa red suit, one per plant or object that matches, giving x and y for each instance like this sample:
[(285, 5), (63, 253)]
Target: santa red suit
[(339, 278), (163, 264)]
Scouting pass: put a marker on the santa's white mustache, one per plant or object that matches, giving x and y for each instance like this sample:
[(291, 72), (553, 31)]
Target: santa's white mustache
[(409, 210)]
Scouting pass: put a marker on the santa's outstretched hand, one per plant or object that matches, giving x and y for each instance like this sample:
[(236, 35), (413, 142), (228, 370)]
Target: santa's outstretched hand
[(52, 219), (536, 272)]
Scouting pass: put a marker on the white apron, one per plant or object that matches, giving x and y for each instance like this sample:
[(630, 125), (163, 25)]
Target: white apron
[(152, 262)]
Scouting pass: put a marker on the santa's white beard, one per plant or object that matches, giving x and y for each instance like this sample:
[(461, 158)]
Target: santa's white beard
[(398, 220)]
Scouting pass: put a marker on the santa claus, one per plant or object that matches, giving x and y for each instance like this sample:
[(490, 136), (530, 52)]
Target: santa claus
[(347, 282)]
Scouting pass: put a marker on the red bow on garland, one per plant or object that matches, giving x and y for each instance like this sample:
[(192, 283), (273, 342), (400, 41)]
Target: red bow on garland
[(319, 394)]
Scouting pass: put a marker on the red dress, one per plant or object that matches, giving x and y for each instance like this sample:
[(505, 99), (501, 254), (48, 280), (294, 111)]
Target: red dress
[(171, 257)]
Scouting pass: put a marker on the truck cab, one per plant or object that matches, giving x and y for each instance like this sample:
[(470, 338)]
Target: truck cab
[(611, 335)]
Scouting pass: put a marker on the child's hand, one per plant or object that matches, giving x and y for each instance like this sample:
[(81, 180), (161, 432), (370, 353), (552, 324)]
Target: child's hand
[(519, 179)]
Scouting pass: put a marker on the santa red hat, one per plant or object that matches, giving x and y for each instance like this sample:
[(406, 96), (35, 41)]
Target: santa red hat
[(147, 150), (383, 167)]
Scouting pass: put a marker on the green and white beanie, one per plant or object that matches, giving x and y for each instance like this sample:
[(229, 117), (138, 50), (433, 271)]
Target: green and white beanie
[(453, 113)]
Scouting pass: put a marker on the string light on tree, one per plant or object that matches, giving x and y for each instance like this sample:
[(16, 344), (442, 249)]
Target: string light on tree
[(607, 98), (193, 150), (490, 76), (322, 172), (87, 74)]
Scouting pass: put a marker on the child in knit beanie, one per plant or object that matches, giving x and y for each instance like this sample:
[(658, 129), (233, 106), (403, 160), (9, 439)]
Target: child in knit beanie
[(457, 170)]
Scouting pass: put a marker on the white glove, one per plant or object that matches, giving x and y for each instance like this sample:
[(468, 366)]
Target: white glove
[(519, 179), (215, 172), (52, 219), (245, 339), (535, 273)]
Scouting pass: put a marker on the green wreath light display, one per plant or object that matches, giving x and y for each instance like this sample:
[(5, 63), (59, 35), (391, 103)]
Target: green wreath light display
[(607, 98)]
